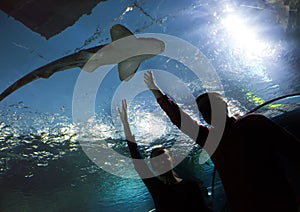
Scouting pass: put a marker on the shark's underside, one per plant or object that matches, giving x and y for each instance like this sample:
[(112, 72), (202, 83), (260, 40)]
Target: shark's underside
[(125, 50)]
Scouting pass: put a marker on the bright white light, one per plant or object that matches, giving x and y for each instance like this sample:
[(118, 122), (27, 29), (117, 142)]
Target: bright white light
[(244, 39), (228, 8), (148, 126)]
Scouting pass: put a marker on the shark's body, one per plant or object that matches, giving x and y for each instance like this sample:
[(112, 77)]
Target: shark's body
[(90, 59), (71, 61)]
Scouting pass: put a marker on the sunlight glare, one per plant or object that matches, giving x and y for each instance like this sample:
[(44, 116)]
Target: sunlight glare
[(148, 126), (244, 39)]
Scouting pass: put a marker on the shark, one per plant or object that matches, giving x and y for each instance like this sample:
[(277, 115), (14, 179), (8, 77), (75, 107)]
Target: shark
[(126, 50)]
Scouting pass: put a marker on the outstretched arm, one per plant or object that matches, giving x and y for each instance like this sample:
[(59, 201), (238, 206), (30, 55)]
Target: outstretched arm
[(178, 117), (139, 164), (152, 85), (128, 134), (124, 119), (171, 109), (152, 183)]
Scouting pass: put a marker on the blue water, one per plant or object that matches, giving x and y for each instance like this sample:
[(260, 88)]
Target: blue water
[(43, 165)]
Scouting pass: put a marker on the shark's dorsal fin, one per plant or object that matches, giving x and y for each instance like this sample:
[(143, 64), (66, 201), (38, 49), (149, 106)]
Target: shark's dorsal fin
[(118, 31)]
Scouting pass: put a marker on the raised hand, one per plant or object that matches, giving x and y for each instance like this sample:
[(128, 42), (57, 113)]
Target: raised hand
[(123, 112), (150, 81), (124, 119)]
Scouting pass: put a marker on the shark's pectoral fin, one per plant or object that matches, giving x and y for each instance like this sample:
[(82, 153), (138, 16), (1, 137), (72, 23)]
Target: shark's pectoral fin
[(128, 67), (144, 48)]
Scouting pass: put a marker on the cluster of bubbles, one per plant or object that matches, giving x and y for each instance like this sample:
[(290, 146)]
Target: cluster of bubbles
[(31, 140)]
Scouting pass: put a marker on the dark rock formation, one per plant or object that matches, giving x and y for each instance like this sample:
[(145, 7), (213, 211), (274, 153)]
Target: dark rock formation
[(47, 17)]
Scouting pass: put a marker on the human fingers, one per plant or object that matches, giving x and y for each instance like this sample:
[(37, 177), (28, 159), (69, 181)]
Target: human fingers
[(124, 104), (149, 74), (148, 78), (146, 81)]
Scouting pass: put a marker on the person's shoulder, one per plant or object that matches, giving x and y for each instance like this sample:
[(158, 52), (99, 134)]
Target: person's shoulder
[(252, 117)]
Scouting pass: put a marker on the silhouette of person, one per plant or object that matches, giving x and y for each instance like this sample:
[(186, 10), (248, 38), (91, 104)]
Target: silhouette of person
[(249, 155), (169, 192)]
